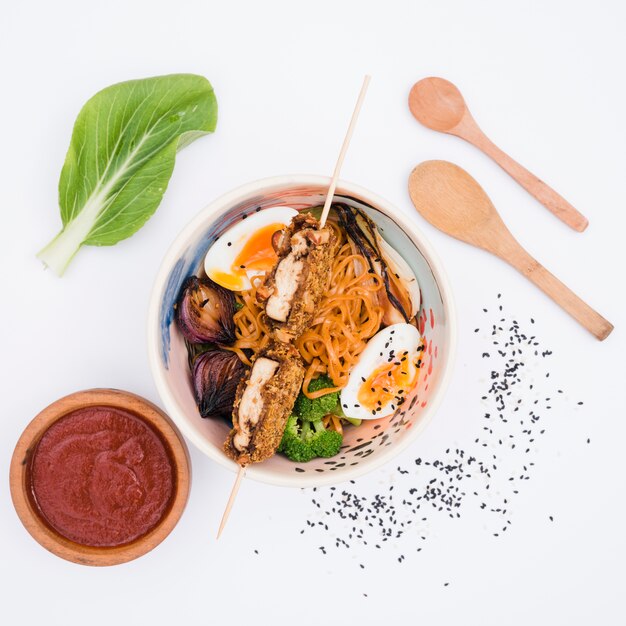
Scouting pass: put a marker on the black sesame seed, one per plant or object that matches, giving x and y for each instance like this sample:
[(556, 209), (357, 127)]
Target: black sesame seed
[(378, 519)]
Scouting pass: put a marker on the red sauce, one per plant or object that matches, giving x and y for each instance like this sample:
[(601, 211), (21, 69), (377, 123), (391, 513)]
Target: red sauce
[(101, 476)]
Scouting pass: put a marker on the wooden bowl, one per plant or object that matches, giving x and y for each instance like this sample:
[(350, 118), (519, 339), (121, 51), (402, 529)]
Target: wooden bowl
[(52, 540)]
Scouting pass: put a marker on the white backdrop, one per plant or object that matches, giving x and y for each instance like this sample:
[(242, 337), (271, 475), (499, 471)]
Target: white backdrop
[(546, 81)]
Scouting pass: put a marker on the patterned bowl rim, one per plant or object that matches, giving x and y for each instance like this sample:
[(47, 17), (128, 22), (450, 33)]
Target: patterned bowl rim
[(177, 248)]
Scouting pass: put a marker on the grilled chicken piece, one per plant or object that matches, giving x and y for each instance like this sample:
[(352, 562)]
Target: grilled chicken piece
[(263, 402), (293, 289)]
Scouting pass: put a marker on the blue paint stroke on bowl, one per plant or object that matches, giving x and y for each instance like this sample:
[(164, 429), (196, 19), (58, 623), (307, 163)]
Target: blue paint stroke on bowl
[(166, 314), (183, 268)]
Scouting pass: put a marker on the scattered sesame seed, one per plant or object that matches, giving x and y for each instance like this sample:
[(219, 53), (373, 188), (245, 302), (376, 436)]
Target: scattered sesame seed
[(488, 470)]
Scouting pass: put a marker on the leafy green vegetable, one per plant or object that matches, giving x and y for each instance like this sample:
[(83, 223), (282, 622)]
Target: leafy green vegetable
[(121, 157)]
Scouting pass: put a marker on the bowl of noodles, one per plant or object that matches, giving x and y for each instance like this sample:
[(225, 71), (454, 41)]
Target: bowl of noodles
[(375, 252)]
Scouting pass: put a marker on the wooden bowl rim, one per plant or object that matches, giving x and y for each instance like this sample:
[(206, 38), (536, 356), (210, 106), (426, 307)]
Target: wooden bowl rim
[(53, 541)]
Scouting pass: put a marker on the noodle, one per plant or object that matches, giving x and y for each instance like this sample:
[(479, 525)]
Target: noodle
[(251, 331), (349, 314)]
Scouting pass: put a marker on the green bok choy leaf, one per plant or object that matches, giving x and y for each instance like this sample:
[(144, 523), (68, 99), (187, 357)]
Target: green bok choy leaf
[(121, 157)]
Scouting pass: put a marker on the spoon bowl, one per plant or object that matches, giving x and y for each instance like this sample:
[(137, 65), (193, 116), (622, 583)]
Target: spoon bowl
[(437, 104), (452, 201)]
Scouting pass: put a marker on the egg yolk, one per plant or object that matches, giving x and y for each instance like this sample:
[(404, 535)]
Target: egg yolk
[(388, 384), (228, 281), (257, 253)]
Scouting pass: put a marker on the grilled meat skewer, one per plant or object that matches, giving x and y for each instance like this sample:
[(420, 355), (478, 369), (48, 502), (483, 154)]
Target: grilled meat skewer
[(263, 402), (293, 289)]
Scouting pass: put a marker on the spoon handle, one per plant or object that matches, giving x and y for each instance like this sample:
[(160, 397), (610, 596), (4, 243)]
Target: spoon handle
[(554, 202), (555, 289)]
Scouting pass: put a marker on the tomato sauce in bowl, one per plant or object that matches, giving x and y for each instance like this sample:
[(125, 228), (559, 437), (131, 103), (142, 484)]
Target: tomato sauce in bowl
[(101, 476)]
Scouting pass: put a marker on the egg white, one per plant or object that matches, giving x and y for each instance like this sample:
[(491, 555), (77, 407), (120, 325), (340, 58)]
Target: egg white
[(222, 254), (397, 337)]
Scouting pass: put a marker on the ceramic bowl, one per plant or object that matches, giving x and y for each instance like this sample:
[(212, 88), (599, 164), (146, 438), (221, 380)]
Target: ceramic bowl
[(365, 447)]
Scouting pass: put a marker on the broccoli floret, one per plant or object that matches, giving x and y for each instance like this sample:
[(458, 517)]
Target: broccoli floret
[(304, 440), (294, 444), (314, 410), (326, 443)]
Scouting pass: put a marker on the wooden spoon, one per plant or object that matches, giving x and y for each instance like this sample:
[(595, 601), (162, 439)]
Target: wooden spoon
[(438, 104), (452, 201)]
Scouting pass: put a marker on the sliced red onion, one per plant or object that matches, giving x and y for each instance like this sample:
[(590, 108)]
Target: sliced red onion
[(216, 375), (204, 312)]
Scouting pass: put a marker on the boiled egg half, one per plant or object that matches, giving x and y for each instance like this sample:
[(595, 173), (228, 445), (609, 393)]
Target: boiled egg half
[(387, 370), (246, 250)]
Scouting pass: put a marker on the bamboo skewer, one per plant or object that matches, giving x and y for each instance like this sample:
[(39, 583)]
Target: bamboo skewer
[(344, 149), (231, 500), (329, 198)]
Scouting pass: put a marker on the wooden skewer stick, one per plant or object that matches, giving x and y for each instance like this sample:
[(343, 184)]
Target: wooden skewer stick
[(329, 199), (344, 149), (231, 500)]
